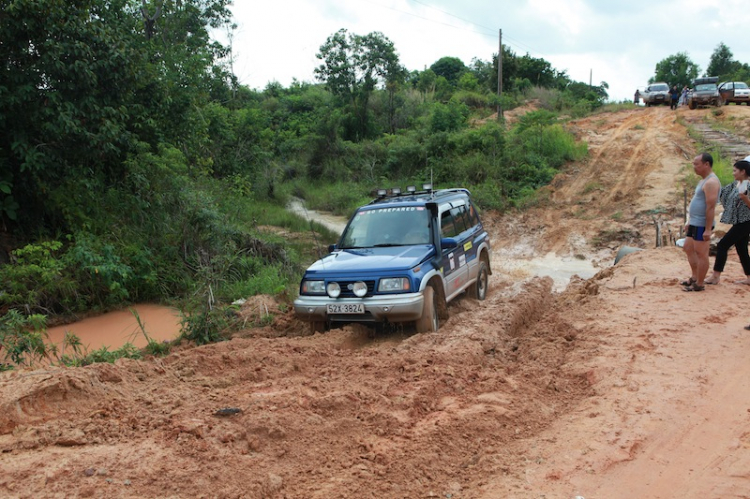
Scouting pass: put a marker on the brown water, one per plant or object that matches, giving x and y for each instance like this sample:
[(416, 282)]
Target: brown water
[(114, 329)]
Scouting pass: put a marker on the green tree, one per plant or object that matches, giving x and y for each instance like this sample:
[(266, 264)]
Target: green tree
[(353, 65), (86, 84), (426, 82), (676, 69), (451, 68), (722, 62), (468, 82), (538, 71)]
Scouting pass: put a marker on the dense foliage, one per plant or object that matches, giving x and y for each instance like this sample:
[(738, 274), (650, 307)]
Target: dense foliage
[(134, 168)]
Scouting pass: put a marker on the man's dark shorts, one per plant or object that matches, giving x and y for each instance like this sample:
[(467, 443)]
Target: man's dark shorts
[(695, 232)]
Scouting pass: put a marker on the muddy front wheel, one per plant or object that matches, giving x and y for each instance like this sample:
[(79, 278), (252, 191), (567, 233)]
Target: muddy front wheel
[(429, 322)]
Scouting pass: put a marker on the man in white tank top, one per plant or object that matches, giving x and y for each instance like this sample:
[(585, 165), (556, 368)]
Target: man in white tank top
[(701, 221)]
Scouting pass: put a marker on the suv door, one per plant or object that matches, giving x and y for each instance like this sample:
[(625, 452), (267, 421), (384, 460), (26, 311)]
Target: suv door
[(458, 223), (453, 261)]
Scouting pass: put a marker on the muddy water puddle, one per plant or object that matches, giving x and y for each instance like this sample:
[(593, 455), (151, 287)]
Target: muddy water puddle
[(559, 268), (114, 329), (329, 220)]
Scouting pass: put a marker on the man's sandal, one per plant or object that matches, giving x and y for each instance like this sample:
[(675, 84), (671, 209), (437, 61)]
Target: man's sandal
[(694, 287), (688, 282)]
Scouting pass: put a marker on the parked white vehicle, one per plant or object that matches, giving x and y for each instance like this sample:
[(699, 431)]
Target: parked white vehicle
[(735, 91), (656, 93)]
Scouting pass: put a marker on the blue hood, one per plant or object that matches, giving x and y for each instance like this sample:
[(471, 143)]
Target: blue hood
[(373, 259)]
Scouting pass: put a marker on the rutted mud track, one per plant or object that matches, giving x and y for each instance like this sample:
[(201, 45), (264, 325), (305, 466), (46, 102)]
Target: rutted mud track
[(618, 387), (334, 415)]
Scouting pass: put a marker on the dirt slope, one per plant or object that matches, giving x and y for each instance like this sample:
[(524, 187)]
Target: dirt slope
[(621, 386)]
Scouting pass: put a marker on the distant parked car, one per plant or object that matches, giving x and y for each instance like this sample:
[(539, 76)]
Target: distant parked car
[(735, 91), (656, 93), (705, 93)]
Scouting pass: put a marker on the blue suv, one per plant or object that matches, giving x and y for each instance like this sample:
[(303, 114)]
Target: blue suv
[(400, 259)]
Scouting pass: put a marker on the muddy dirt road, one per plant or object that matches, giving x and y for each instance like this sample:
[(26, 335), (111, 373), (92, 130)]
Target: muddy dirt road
[(621, 386)]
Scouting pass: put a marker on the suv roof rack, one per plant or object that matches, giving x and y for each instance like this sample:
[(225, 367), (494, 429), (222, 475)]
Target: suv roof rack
[(706, 79), (392, 194)]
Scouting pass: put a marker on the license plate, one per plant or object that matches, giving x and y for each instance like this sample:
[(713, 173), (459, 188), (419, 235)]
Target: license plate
[(346, 308)]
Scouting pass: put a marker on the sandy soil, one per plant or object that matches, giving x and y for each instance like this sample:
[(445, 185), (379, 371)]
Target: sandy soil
[(620, 386)]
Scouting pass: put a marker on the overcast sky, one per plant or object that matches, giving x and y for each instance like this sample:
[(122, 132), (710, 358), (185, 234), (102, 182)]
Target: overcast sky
[(618, 42)]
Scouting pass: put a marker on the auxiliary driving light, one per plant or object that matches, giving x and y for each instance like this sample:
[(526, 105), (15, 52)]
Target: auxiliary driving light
[(333, 289), (360, 289)]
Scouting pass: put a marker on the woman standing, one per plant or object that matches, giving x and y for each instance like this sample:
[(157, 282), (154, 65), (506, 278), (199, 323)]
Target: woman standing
[(734, 198)]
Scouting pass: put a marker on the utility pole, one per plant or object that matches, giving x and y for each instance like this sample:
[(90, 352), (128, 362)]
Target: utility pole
[(500, 78)]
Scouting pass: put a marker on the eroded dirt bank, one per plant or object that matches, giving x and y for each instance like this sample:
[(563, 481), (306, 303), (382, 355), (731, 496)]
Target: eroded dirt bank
[(621, 386)]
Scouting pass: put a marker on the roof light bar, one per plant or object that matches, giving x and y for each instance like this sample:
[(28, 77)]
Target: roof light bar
[(382, 193), (427, 187), (396, 191), (411, 188)]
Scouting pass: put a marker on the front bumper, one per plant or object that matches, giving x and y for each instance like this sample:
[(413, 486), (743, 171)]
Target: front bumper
[(391, 308), (704, 100)]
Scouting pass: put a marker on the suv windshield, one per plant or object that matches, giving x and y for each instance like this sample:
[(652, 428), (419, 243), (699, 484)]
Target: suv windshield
[(706, 87), (740, 84), (660, 88), (394, 226)]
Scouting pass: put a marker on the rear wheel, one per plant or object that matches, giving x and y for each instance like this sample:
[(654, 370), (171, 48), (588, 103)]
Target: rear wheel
[(478, 290), (429, 322)]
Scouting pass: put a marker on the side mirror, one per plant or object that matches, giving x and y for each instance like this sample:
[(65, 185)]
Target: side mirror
[(331, 248), (448, 242)]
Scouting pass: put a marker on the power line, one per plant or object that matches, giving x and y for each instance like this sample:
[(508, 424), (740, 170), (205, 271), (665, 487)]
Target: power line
[(449, 14)]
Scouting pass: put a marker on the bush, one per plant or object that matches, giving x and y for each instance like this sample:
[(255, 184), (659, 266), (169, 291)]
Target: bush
[(22, 339)]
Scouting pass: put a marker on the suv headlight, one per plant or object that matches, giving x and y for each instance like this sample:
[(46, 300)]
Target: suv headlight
[(314, 287), (394, 284)]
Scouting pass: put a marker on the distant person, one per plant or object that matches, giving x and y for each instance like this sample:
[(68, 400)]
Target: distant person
[(636, 97), (736, 202), (700, 222), (683, 96), (674, 95)]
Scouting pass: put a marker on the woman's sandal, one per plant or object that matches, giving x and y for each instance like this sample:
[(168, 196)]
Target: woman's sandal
[(688, 282), (694, 287)]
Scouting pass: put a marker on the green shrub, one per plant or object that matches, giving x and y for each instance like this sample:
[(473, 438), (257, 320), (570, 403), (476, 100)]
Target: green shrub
[(103, 354), (37, 278), (206, 324), (22, 339)]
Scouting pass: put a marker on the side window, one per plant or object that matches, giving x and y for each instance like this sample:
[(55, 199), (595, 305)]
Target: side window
[(473, 215), (460, 218), (447, 225)]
